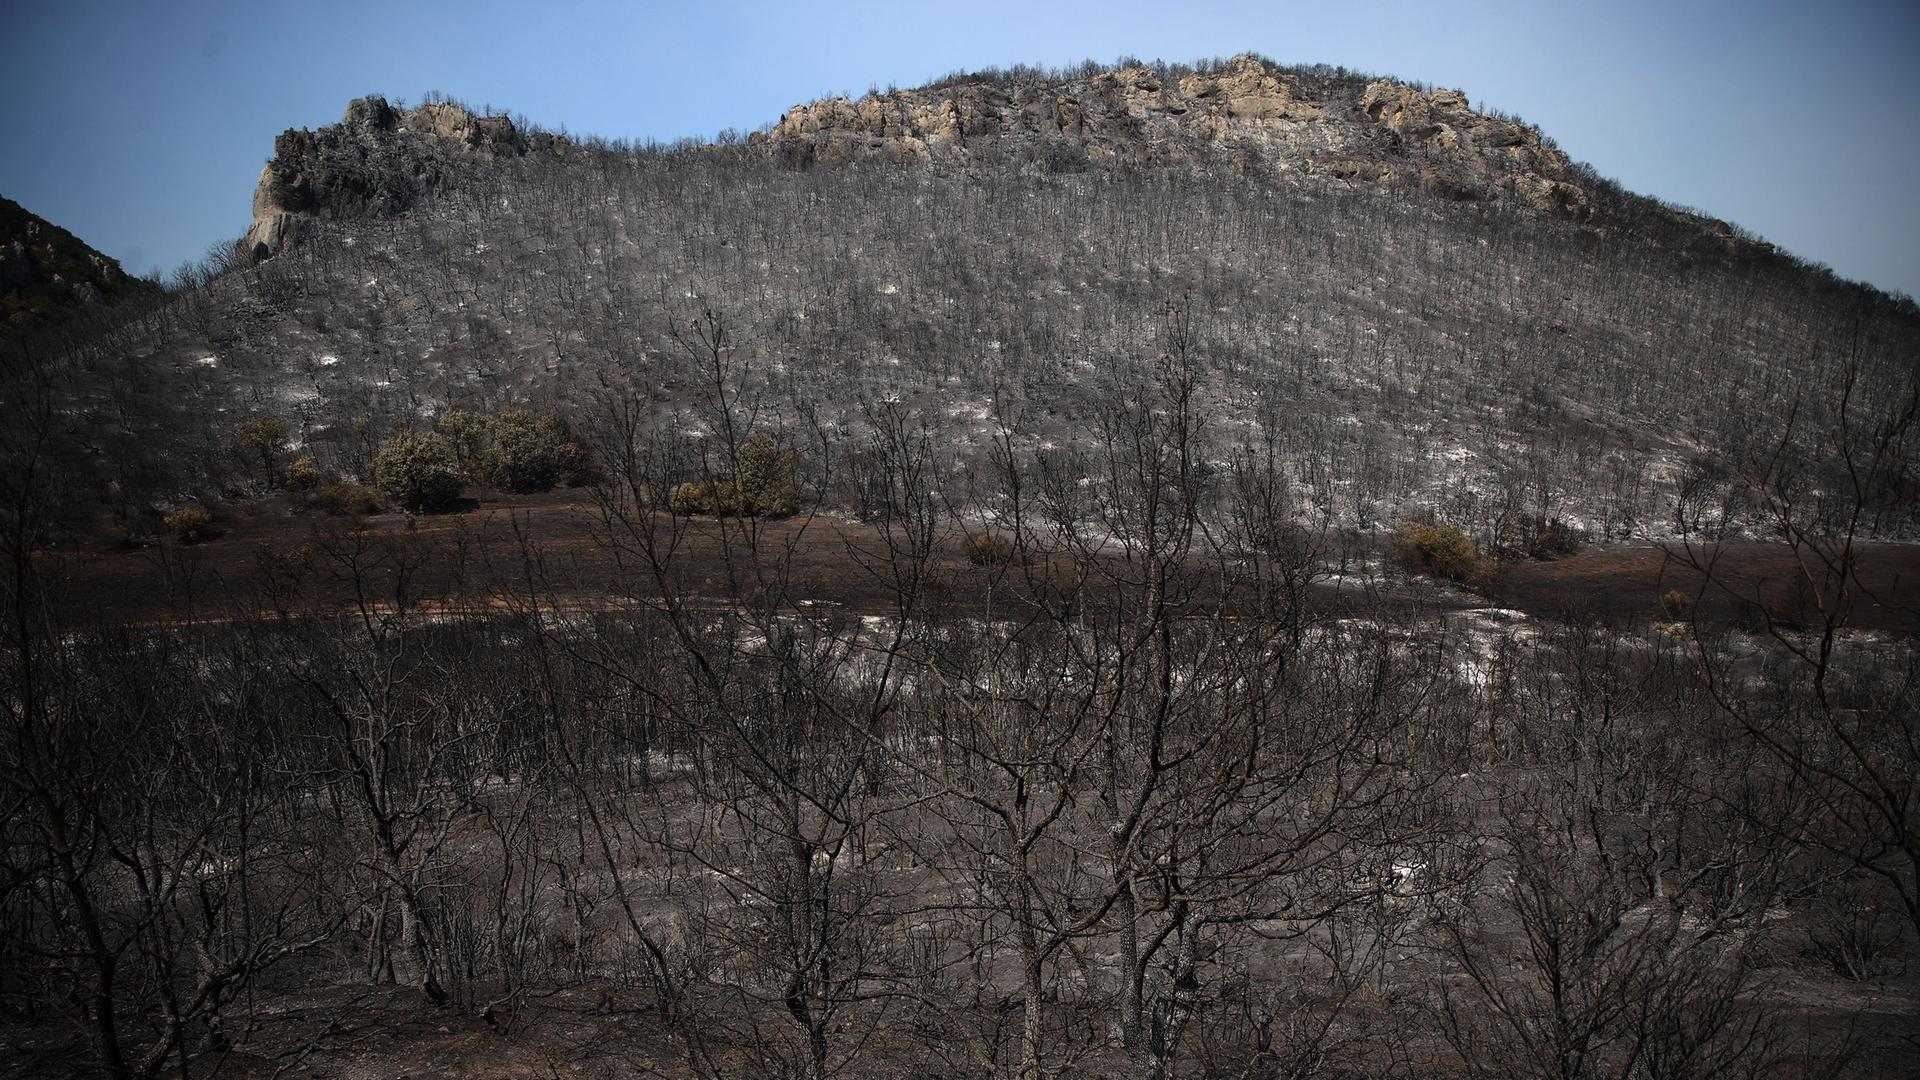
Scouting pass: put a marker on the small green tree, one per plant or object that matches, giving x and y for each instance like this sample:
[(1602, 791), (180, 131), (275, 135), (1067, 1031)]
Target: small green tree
[(986, 549), (531, 453), (342, 499), (467, 433), (763, 480), (303, 476), (516, 450), (762, 486), (572, 456), (419, 472), (690, 498), (262, 440)]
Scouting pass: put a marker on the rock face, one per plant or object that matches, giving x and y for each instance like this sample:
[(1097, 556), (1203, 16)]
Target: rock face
[(378, 159), (1246, 110), (1249, 93)]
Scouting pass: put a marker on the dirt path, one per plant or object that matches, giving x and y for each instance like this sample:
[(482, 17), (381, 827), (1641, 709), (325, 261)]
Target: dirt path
[(268, 559), (1630, 582)]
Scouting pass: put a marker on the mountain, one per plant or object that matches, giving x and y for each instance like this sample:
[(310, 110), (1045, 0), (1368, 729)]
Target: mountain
[(48, 274), (1072, 574), (1421, 309)]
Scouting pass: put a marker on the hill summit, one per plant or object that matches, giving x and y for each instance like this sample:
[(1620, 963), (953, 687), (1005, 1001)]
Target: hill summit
[(377, 158), (1246, 110), (1246, 116)]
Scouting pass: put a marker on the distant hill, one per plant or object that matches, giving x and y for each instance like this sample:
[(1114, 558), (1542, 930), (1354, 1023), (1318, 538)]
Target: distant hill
[(47, 273), (1420, 309)]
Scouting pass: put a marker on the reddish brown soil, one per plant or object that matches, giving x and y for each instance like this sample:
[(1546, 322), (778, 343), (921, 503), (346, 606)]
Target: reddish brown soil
[(558, 545), (1747, 581), (266, 558)]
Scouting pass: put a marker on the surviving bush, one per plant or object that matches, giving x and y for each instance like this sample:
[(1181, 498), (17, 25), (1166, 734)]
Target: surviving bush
[(261, 440), (419, 472), (190, 524), (516, 450), (1436, 549), (466, 433), (1534, 536), (302, 475), (342, 499), (762, 486), (532, 453), (763, 480)]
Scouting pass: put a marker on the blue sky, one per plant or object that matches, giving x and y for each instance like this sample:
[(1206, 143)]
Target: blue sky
[(142, 126)]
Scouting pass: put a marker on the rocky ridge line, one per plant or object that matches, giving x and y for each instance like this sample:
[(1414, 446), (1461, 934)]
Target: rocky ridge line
[(1384, 131)]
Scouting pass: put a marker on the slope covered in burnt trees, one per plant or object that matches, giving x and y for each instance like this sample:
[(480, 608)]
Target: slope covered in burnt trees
[(47, 274), (1424, 310)]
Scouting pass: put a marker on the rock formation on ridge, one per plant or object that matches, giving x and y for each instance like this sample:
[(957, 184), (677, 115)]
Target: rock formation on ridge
[(1247, 110), (377, 158)]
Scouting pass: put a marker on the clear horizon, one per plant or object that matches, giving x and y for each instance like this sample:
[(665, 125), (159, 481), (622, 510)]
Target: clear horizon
[(142, 129)]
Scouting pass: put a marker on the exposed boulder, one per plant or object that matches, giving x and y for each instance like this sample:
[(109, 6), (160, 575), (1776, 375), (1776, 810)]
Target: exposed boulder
[(371, 114), (1399, 108), (1248, 91)]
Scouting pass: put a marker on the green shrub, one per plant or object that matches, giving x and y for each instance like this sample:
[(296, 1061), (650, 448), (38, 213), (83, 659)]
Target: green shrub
[(466, 433), (720, 498), (302, 475), (763, 480), (1534, 536), (1437, 549), (419, 472), (341, 499), (515, 450), (110, 536), (190, 524), (762, 486), (525, 452), (690, 498)]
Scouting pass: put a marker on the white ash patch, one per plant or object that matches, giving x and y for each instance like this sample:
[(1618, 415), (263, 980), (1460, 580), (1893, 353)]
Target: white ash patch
[(976, 410)]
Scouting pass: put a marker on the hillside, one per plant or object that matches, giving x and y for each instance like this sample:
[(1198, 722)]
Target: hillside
[(1169, 572), (47, 274), (1422, 309)]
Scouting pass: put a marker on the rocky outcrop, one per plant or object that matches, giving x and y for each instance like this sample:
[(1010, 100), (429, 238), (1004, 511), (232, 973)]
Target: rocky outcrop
[(1380, 132), (1509, 156), (378, 159), (1248, 92)]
